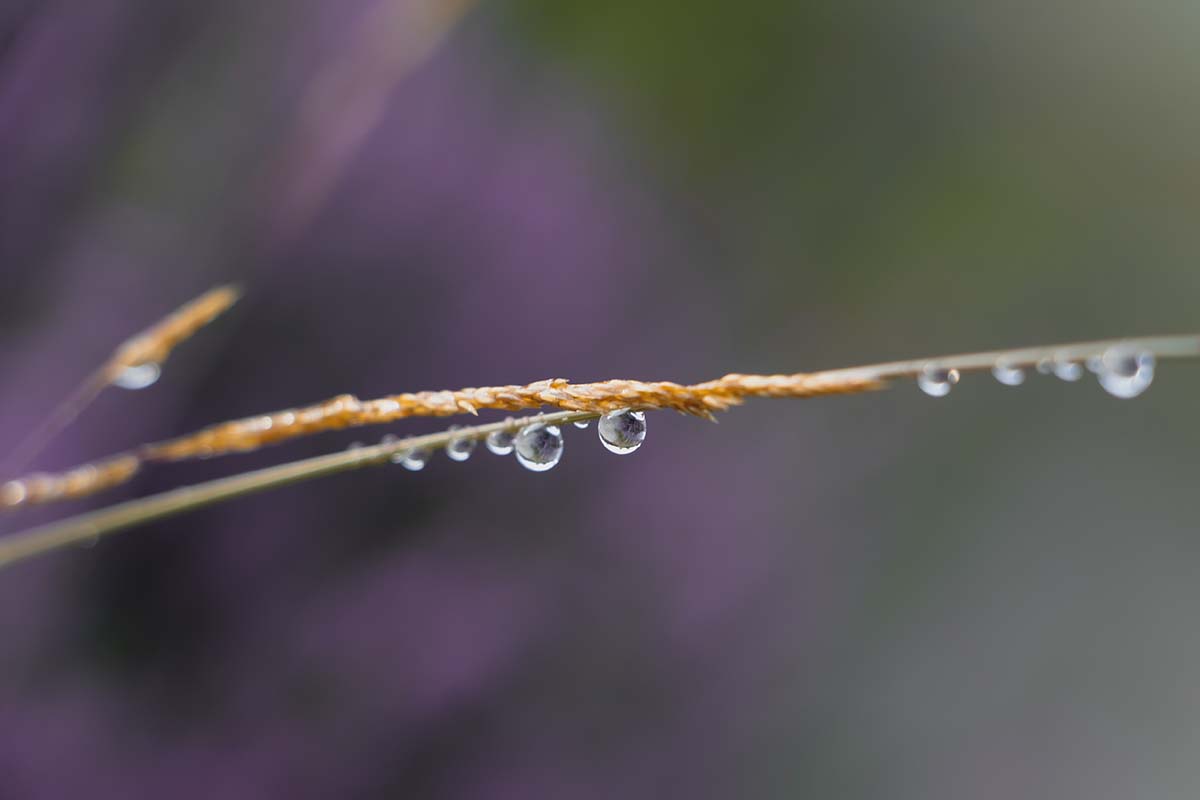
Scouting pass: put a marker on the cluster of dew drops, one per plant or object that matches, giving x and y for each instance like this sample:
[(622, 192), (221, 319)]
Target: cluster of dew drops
[(537, 447), (1122, 371)]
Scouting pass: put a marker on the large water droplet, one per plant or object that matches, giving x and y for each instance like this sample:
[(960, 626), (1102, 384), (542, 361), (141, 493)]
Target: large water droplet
[(622, 431), (1009, 376), (1125, 372), (138, 376), (582, 424), (500, 442), (936, 381), (539, 447), (413, 460), (460, 449)]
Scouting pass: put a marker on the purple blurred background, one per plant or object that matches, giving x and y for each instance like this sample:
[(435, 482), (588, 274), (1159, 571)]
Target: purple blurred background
[(988, 595)]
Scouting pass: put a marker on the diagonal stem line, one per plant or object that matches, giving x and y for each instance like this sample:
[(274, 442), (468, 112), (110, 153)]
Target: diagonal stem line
[(86, 528), (1163, 347)]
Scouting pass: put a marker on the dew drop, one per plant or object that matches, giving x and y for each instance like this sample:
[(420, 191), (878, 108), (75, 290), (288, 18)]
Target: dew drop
[(622, 431), (539, 447), (1069, 371), (389, 438), (138, 376), (355, 446), (413, 460), (500, 442), (582, 424), (460, 449), (13, 493), (1126, 373), (936, 381), (1046, 366), (1009, 376)]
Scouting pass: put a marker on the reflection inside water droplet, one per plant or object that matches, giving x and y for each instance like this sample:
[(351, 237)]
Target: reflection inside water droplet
[(139, 376), (582, 424), (1125, 372), (622, 431), (539, 447), (936, 381)]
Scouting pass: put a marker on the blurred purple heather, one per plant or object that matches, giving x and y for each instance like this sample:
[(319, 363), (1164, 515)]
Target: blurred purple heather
[(870, 596)]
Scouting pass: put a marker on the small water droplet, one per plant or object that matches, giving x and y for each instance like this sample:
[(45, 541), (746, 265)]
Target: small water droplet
[(622, 431), (413, 460), (1125, 372), (390, 438), (1046, 366), (12, 493), (1009, 376), (460, 449), (1095, 364), (1069, 371), (138, 376), (582, 424), (936, 381), (355, 446), (539, 447), (500, 442)]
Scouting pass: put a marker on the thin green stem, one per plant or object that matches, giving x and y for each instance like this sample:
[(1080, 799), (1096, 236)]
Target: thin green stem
[(87, 528), (1163, 347)]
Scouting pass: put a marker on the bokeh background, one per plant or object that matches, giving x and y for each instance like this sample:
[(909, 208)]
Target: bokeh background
[(990, 595)]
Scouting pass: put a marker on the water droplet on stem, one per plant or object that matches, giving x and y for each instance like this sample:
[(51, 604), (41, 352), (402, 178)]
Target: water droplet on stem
[(138, 376), (1125, 372), (1009, 376), (539, 447), (622, 431), (937, 381), (413, 460), (460, 449), (500, 442), (1069, 371)]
